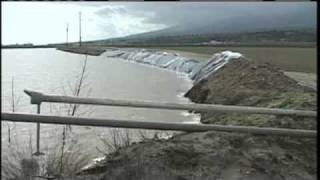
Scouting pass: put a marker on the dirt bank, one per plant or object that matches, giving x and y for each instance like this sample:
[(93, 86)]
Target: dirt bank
[(92, 51), (212, 155), (242, 82), (303, 78), (218, 155)]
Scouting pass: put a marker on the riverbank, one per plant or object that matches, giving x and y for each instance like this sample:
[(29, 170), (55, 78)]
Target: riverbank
[(218, 155), (286, 58), (27, 46), (92, 51), (303, 73), (303, 78)]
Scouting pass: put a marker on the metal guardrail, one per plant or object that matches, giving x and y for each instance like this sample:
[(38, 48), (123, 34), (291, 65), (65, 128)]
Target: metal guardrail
[(37, 98), (31, 118)]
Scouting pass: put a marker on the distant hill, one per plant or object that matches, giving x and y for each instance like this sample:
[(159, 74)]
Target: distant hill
[(297, 19), (294, 36), (298, 25)]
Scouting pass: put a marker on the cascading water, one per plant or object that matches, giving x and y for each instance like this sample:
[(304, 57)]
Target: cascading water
[(196, 70)]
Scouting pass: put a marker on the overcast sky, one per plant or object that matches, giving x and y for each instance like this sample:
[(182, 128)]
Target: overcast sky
[(45, 22)]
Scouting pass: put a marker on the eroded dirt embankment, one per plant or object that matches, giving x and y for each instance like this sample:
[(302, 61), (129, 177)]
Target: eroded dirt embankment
[(219, 155), (242, 82)]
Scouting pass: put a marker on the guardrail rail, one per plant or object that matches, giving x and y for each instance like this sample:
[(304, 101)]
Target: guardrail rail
[(38, 98)]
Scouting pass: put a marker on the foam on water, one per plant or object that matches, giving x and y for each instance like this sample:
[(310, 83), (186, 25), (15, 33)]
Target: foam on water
[(195, 117)]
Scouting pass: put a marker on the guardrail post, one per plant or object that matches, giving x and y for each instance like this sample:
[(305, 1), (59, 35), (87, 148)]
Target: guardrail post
[(38, 153), (36, 99)]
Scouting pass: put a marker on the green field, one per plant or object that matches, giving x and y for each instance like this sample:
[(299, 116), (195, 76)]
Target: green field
[(288, 59)]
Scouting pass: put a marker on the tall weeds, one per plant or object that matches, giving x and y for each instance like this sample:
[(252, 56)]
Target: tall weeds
[(72, 112), (65, 158), (13, 103), (18, 162)]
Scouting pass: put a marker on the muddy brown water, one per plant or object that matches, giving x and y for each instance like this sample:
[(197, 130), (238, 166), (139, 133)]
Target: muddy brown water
[(54, 72)]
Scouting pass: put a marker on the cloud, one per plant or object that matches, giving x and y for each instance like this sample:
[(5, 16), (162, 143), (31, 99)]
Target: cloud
[(108, 11), (43, 22), (177, 13), (126, 21)]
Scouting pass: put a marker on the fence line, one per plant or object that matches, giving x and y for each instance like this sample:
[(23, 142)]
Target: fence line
[(38, 98), (17, 117)]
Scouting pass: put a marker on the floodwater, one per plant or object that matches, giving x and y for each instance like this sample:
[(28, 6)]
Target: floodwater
[(55, 72)]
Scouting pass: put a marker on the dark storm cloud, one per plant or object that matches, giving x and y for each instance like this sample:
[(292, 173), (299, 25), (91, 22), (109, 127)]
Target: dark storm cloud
[(177, 13)]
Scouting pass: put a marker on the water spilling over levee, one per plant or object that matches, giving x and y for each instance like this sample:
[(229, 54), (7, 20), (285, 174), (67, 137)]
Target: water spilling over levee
[(196, 70), (217, 61)]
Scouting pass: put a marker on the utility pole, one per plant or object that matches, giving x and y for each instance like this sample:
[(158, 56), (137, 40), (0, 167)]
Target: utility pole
[(67, 34), (80, 28)]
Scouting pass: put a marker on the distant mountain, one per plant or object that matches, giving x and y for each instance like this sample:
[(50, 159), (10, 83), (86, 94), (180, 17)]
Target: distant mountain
[(296, 37), (270, 26), (260, 22)]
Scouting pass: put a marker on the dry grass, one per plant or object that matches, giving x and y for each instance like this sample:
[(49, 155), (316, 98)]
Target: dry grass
[(18, 162)]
